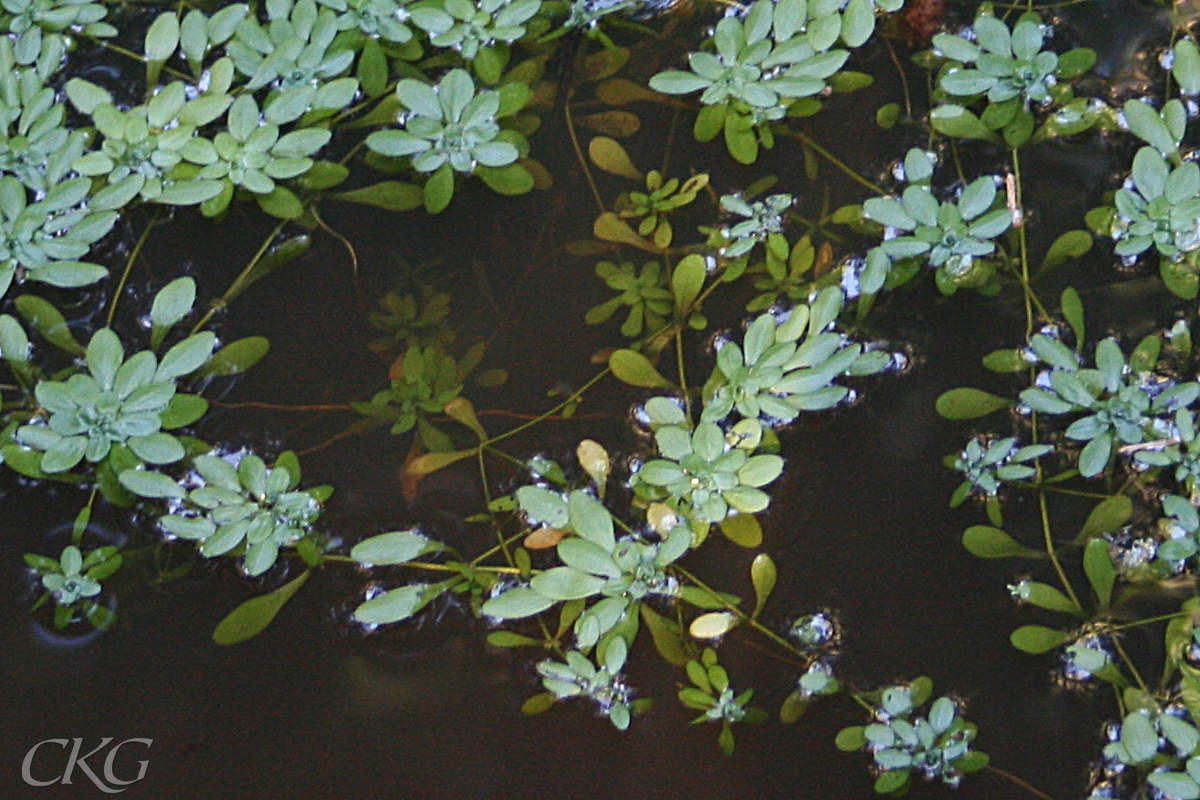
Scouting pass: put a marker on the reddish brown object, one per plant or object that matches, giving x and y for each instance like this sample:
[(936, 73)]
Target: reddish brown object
[(920, 20)]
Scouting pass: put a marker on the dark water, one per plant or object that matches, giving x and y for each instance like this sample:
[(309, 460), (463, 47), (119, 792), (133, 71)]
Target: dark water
[(859, 524)]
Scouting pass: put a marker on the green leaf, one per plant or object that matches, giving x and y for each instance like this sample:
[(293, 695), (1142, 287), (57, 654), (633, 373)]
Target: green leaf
[(1045, 596), (667, 636), (281, 203), (566, 583), (395, 547), (609, 155), (611, 228), (1186, 66), (1005, 361), (150, 484), (1036, 639), (511, 179), (1149, 126), (633, 368), (439, 189), (510, 639), (516, 604), (762, 576), (44, 318), (988, 542), (1181, 278), (1101, 573), (253, 616), (236, 357), (1068, 246), (958, 122), (851, 739), (968, 403), (1072, 309), (393, 606), (1109, 515), (172, 303), (687, 281), (743, 530), (388, 195)]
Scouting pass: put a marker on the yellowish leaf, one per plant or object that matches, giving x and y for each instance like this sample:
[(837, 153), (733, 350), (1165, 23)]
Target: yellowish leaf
[(608, 154)]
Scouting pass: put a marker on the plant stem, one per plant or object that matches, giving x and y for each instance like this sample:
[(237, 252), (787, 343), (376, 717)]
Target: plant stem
[(1048, 536), (235, 287), (837, 162), (578, 393), (741, 615), (1014, 779), (129, 262)]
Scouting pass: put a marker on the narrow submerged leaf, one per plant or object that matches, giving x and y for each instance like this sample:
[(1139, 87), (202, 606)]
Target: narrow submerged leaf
[(687, 281), (667, 635), (461, 410), (968, 403), (1037, 639), (1101, 574), (44, 318), (235, 357), (762, 576), (1005, 361), (633, 368), (1108, 515), (611, 228), (253, 616), (432, 462), (1072, 309), (1070, 245), (987, 542)]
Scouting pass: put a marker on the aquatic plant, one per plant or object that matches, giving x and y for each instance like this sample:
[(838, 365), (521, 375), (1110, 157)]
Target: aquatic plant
[(121, 407), (74, 580), (1124, 404), (1013, 71), (238, 504), (453, 128)]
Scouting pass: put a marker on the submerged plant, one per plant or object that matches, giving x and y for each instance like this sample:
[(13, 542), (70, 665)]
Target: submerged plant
[(428, 378), (602, 684), (644, 292), (711, 694), (74, 580)]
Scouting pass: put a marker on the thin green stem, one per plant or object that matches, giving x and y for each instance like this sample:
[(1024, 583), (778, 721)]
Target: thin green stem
[(236, 287), (835, 161), (1133, 670), (129, 262), (1149, 620), (578, 393), (1048, 535), (679, 366), (1014, 779), (741, 615)]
